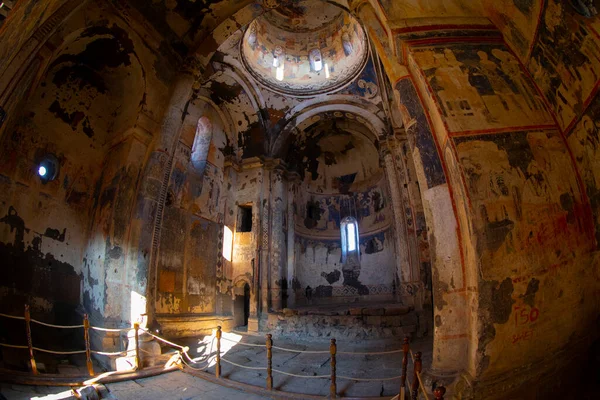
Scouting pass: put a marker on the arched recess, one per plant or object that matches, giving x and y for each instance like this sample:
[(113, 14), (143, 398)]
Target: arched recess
[(308, 110), (85, 106), (188, 272)]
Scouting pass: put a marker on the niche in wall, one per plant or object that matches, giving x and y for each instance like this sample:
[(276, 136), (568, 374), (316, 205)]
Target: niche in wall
[(244, 222)]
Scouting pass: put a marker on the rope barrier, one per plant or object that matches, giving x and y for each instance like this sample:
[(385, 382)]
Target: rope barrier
[(183, 353), (59, 352), (369, 379), (116, 353), (56, 326), (11, 316), (244, 344), (242, 366), (13, 346), (419, 376), (375, 353), (302, 351), (97, 328), (302, 376), (162, 340), (194, 368)]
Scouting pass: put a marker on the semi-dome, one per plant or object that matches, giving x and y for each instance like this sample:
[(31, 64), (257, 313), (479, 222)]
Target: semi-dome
[(305, 47)]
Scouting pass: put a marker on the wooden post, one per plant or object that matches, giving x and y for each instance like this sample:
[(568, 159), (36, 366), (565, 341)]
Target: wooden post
[(138, 363), (418, 367), (269, 361), (439, 393), (88, 351), (333, 387), (405, 349), (218, 364), (29, 340)]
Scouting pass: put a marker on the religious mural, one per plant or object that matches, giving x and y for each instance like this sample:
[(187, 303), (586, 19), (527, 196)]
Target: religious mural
[(524, 194), (565, 62), (480, 87), (517, 20), (584, 141), (321, 214), (418, 8), (419, 132)]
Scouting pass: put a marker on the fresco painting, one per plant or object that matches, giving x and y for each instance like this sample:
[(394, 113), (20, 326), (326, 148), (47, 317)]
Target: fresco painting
[(517, 20), (584, 141), (565, 62), (417, 127), (480, 87), (321, 214), (418, 8), (525, 200)]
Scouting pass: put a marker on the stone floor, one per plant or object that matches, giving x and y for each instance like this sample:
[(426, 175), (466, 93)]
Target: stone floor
[(178, 385), (172, 386), (310, 364)]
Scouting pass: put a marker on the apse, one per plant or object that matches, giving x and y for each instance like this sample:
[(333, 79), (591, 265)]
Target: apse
[(340, 184)]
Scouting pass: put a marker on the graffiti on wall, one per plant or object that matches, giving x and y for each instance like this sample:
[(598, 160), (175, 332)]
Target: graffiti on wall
[(525, 198), (565, 61), (480, 87)]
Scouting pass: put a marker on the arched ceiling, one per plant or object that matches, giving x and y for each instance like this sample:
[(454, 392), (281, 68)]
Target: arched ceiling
[(334, 154), (304, 47)]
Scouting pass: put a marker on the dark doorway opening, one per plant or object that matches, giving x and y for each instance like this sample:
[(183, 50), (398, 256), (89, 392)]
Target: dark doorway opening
[(241, 306)]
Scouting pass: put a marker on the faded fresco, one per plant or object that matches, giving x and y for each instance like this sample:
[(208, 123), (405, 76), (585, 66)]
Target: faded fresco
[(419, 8), (320, 215), (517, 20), (525, 199), (285, 51), (584, 141), (480, 87), (420, 134), (565, 62), (319, 268)]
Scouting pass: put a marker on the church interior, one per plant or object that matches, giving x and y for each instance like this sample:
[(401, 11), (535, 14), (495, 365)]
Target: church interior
[(357, 170)]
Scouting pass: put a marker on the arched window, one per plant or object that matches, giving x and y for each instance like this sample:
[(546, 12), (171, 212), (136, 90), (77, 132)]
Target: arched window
[(201, 144), (316, 61), (350, 239)]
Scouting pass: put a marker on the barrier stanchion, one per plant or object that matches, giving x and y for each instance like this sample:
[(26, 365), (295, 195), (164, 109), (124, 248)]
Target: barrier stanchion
[(269, 361), (138, 363), (418, 366), (439, 393), (405, 349), (29, 340), (218, 359), (333, 387), (88, 351)]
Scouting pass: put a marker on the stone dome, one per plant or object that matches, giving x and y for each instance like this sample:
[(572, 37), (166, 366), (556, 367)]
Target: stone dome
[(304, 47)]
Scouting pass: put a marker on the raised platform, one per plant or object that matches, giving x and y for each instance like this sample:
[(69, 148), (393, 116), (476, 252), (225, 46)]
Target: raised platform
[(360, 321)]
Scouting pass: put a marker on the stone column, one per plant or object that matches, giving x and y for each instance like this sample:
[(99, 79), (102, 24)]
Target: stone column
[(263, 243), (291, 234), (278, 248), (155, 180), (403, 259)]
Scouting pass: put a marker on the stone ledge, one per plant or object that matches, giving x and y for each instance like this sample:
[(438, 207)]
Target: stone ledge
[(185, 326)]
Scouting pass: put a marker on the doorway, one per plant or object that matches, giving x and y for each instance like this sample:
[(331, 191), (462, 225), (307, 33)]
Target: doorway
[(241, 305)]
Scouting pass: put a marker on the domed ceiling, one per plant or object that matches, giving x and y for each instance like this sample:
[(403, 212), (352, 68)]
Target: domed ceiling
[(304, 47)]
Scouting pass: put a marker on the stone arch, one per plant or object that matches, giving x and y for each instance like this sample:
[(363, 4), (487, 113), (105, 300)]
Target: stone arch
[(303, 112)]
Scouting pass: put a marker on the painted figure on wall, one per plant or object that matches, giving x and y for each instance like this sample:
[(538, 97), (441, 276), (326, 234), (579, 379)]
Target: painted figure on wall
[(565, 61), (584, 141), (526, 197), (480, 87)]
